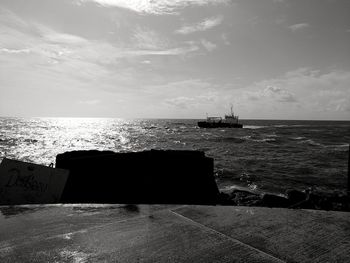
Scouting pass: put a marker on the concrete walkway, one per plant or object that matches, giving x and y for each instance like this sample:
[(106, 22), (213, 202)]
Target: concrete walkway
[(159, 233)]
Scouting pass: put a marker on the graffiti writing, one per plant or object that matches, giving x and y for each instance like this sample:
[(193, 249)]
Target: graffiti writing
[(28, 182)]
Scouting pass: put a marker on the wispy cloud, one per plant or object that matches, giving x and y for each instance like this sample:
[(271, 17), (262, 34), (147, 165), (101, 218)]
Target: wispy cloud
[(307, 88), (14, 51), (225, 39), (269, 92), (157, 7), (180, 102), (279, 94), (60, 38), (185, 49), (53, 47), (195, 94), (281, 19), (149, 42), (201, 26), (209, 46), (47, 59), (149, 39), (299, 27)]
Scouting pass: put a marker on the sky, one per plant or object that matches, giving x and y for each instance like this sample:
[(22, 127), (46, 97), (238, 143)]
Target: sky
[(270, 59)]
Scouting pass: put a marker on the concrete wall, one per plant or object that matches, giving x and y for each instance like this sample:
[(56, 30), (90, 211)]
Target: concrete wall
[(148, 177)]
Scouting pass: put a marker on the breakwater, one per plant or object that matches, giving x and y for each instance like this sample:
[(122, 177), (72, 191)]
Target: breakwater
[(146, 177)]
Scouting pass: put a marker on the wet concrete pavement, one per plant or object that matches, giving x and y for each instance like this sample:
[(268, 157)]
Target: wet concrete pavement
[(161, 233)]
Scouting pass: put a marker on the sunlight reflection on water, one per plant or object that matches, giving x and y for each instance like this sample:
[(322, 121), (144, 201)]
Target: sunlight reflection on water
[(40, 139)]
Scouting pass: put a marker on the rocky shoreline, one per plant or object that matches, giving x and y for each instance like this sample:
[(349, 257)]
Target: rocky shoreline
[(294, 199)]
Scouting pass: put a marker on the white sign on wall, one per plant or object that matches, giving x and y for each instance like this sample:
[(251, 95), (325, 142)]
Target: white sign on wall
[(27, 183)]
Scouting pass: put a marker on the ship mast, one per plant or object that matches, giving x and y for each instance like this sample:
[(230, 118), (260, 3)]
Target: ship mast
[(232, 114)]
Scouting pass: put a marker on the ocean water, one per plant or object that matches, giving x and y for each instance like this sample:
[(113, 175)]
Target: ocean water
[(266, 155)]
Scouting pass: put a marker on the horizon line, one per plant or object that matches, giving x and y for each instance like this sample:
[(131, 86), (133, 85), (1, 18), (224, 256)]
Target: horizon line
[(156, 118)]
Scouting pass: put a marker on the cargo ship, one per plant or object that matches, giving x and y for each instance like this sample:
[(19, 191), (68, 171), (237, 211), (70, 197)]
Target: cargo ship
[(229, 121)]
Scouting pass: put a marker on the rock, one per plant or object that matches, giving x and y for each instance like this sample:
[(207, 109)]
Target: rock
[(244, 197), (237, 193), (148, 177), (271, 200), (225, 199), (335, 201), (296, 196)]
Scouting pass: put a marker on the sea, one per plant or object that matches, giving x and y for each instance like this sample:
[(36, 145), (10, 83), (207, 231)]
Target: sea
[(265, 156)]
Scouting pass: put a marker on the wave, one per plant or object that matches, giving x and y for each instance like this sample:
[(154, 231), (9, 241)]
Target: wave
[(150, 127), (291, 125), (298, 138), (271, 135), (264, 140), (254, 127), (311, 142), (230, 188), (30, 140), (230, 139), (10, 141), (342, 146), (339, 147), (177, 123)]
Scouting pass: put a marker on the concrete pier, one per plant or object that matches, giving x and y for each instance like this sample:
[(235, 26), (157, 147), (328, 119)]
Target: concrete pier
[(170, 233)]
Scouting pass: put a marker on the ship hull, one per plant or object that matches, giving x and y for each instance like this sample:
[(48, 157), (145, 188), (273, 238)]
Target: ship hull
[(204, 124)]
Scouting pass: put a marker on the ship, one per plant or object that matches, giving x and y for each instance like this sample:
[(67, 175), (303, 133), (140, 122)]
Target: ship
[(229, 121)]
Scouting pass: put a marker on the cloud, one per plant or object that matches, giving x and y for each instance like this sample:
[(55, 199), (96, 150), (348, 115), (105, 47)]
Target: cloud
[(60, 38), (209, 46), (340, 105), (225, 39), (165, 52), (204, 101), (156, 7), (272, 93), (180, 102), (279, 94), (187, 87), (14, 51), (48, 46), (149, 39), (198, 95), (201, 26), (148, 42), (65, 67), (298, 27), (308, 89), (280, 19)]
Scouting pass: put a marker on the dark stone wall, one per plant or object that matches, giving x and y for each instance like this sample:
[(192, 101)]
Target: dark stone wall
[(148, 177)]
